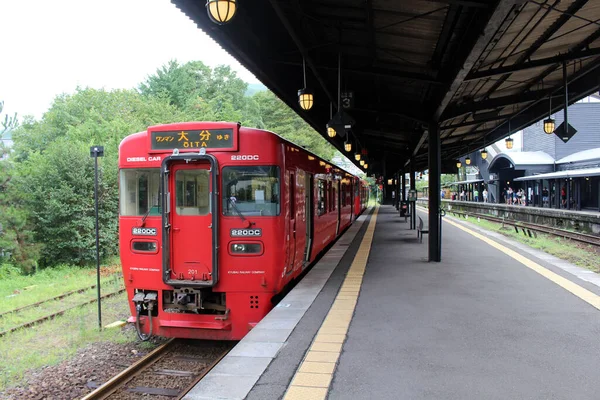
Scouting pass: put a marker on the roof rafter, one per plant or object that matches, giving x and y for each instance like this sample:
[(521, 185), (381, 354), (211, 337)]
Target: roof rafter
[(502, 10)]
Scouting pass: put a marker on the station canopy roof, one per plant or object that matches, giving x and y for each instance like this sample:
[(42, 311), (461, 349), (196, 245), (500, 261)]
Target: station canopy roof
[(581, 156), (571, 173), (467, 182), (471, 65), (523, 159)]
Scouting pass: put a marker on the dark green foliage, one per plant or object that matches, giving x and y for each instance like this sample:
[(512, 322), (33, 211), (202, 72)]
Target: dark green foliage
[(47, 185), (281, 119), (58, 189)]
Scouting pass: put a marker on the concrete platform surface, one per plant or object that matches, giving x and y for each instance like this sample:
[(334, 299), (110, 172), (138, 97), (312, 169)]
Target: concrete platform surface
[(491, 321)]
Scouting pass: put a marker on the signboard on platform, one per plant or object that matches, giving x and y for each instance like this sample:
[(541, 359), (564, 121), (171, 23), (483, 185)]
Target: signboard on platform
[(412, 195)]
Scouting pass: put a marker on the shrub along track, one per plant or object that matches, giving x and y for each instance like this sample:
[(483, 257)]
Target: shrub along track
[(168, 372)]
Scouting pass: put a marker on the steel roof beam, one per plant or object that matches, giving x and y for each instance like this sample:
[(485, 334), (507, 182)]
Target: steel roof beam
[(542, 62), (476, 122), (498, 102), (502, 10), (452, 17), (466, 3), (541, 40), (416, 117), (290, 29), (583, 84)]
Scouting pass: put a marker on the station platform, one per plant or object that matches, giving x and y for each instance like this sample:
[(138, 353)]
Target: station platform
[(374, 319)]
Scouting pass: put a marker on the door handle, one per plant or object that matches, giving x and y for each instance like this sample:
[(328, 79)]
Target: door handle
[(176, 229)]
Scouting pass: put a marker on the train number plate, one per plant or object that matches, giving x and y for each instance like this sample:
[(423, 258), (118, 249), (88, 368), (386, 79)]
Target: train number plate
[(144, 231), (245, 232)]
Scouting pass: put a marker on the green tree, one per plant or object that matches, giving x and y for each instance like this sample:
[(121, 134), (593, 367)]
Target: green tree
[(279, 118), (57, 186), (54, 172)]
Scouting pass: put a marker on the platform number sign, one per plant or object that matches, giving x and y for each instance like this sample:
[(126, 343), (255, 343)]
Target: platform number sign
[(347, 99)]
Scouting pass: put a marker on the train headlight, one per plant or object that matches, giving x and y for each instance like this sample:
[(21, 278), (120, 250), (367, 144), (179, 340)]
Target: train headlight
[(238, 248), (245, 248)]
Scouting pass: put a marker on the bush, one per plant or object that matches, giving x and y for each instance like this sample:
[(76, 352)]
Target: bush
[(8, 271)]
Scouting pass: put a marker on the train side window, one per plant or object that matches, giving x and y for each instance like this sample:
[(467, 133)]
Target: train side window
[(321, 197), (251, 191), (139, 191)]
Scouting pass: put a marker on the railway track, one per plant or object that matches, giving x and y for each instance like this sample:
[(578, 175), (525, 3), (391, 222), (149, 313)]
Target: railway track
[(168, 372), (39, 303), (54, 314), (527, 228)]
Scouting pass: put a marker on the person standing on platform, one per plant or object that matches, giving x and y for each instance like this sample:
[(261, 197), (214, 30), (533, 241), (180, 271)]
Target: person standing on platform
[(563, 196), (476, 195), (485, 195), (509, 197), (545, 196)]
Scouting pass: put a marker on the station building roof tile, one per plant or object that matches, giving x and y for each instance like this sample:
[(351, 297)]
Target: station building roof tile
[(585, 155), (571, 173)]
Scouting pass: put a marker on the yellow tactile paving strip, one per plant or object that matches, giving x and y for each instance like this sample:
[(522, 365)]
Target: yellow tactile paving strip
[(313, 377), (584, 294)]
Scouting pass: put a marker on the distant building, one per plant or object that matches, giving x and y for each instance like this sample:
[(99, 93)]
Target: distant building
[(569, 172)]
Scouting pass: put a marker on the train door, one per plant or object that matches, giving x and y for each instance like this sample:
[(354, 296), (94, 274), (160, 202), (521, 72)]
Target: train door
[(309, 212), (301, 218), (190, 222), (350, 189), (291, 180)]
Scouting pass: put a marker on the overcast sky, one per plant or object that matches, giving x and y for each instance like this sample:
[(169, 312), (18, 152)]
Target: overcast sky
[(50, 47)]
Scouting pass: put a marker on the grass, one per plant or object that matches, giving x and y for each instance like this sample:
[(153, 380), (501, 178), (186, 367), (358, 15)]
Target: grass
[(53, 341), (14, 319), (582, 255), (19, 290)]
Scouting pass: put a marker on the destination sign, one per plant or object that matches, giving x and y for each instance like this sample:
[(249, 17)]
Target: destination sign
[(193, 139)]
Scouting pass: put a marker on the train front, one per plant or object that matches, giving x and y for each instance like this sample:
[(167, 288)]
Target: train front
[(194, 261)]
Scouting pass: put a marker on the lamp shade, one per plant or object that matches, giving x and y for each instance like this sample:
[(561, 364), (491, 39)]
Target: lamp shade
[(357, 156), (509, 143), (549, 126), (348, 146), (468, 160), (305, 98), (330, 131), (366, 165), (458, 164), (221, 11), (483, 154), (362, 162)]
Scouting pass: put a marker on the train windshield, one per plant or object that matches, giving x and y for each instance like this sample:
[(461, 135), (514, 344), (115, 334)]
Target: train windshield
[(251, 191), (139, 192)]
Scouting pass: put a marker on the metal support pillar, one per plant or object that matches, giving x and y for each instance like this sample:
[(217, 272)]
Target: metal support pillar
[(435, 171), (413, 209), (568, 205), (403, 185)]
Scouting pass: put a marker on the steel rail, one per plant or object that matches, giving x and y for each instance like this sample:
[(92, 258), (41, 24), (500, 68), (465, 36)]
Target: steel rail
[(62, 296), (580, 237), (121, 378), (202, 375), (56, 314)]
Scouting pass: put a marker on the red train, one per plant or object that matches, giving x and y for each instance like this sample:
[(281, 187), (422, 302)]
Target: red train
[(216, 219)]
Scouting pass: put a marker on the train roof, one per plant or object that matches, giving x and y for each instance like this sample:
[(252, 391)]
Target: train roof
[(138, 135)]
